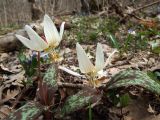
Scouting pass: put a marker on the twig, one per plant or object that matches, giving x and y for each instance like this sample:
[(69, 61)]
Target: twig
[(145, 6), (121, 63), (1, 112), (137, 9), (20, 96), (60, 84)]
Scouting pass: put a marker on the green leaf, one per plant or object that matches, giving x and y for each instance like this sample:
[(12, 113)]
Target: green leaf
[(78, 101), (152, 75), (50, 77), (134, 77), (155, 45), (34, 62), (29, 64), (124, 100), (22, 57), (113, 96), (157, 74), (30, 111), (93, 36), (114, 41), (48, 87), (90, 112)]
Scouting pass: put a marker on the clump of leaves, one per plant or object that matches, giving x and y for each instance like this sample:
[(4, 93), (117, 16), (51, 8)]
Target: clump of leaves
[(87, 29), (90, 29), (119, 100), (8, 28), (48, 102), (109, 25), (155, 46), (29, 64), (140, 40), (86, 96)]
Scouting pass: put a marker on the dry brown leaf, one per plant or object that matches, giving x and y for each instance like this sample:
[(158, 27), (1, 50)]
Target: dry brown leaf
[(16, 79), (150, 109), (1, 91), (4, 70), (4, 57), (128, 118), (4, 111), (16, 68), (11, 94), (148, 23), (113, 71)]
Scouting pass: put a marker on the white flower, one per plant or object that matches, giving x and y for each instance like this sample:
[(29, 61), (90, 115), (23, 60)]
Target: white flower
[(92, 72), (86, 65), (132, 32), (52, 36)]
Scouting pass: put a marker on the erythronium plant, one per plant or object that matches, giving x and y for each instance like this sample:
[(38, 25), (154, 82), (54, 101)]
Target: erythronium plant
[(93, 73), (48, 43)]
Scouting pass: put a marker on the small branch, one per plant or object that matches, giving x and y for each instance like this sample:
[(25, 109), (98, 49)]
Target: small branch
[(70, 85), (137, 9), (145, 6), (19, 97), (121, 63)]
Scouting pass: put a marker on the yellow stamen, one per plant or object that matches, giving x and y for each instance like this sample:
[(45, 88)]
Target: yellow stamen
[(55, 56)]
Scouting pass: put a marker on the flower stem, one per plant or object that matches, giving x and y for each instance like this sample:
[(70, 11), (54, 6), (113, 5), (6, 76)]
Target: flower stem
[(39, 65)]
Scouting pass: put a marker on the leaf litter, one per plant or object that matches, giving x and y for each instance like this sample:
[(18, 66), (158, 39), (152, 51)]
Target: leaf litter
[(13, 76)]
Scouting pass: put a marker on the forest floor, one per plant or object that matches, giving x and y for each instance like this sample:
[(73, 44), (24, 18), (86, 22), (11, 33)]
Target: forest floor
[(133, 40)]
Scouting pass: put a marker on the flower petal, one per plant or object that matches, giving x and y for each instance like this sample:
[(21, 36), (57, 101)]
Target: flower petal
[(108, 61), (28, 43), (85, 64), (50, 31), (102, 73), (70, 71), (99, 58), (38, 43), (61, 30)]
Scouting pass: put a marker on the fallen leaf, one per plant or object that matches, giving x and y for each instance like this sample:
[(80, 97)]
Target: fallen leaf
[(4, 111), (11, 94), (150, 109), (4, 70), (16, 79), (4, 57), (113, 71)]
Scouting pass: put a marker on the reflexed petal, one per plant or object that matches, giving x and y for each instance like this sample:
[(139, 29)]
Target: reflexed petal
[(61, 30), (28, 43), (99, 58), (102, 73), (35, 39), (108, 61), (50, 31), (85, 64), (70, 71)]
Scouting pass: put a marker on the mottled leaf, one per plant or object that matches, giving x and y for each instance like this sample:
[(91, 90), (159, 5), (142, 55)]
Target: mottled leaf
[(48, 87), (30, 111), (78, 101), (50, 77), (134, 77)]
